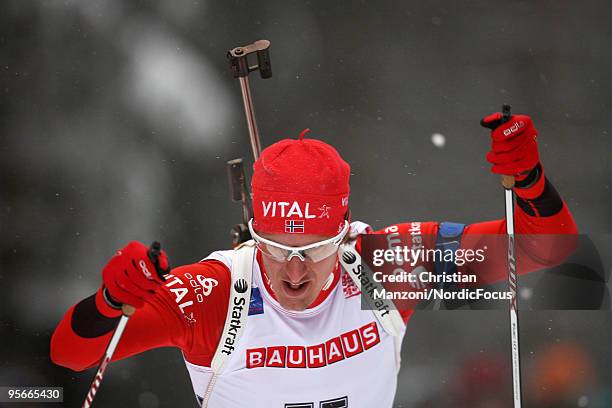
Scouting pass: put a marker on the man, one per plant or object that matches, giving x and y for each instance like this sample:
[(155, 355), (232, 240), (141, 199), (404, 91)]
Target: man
[(301, 338)]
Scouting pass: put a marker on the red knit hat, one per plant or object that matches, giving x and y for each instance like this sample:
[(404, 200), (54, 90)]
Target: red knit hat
[(300, 187)]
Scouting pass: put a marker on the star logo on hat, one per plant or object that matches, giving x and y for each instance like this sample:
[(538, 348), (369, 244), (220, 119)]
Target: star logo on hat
[(324, 211)]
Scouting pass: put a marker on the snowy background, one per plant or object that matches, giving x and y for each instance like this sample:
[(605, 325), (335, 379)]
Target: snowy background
[(117, 118)]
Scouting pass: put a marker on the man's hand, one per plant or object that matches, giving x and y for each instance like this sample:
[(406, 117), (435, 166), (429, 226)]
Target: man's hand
[(132, 276), (514, 149)]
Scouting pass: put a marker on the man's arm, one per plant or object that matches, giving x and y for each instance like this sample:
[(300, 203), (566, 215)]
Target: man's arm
[(544, 226), (539, 209), (550, 226), (545, 234), (545, 231), (181, 313)]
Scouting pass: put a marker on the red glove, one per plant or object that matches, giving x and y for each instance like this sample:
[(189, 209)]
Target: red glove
[(514, 150), (132, 276)]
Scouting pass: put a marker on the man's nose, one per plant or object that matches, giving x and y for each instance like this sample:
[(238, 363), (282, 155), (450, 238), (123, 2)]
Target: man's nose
[(296, 270)]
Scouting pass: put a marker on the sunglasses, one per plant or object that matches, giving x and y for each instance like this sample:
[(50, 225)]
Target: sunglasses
[(315, 252)]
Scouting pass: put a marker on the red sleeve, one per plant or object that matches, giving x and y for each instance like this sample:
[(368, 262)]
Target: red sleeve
[(188, 312), (539, 210), (545, 234)]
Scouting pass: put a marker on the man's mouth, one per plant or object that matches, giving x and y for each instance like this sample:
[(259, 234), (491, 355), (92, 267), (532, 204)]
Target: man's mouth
[(295, 290)]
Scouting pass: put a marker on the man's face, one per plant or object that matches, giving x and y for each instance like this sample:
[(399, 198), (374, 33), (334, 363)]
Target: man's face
[(297, 283)]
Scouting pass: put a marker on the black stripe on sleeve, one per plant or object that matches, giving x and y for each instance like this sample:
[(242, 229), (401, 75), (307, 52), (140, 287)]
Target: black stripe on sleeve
[(547, 204), (531, 179), (524, 205), (88, 322)]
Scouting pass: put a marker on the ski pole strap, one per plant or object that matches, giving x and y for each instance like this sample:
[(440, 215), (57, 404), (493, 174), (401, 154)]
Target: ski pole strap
[(384, 309)]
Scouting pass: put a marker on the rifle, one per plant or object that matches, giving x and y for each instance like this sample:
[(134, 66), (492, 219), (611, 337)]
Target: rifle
[(240, 69)]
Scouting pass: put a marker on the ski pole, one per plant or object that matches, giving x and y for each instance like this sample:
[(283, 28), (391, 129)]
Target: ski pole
[(108, 355), (508, 183), (127, 311)]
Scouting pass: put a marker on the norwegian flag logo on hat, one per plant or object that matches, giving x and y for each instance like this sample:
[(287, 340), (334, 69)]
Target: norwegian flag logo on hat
[(300, 187), (294, 226)]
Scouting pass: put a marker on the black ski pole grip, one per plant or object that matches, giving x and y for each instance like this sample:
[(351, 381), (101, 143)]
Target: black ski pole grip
[(506, 115), (154, 254)]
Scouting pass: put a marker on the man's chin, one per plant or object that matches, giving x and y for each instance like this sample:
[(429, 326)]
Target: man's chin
[(295, 305)]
